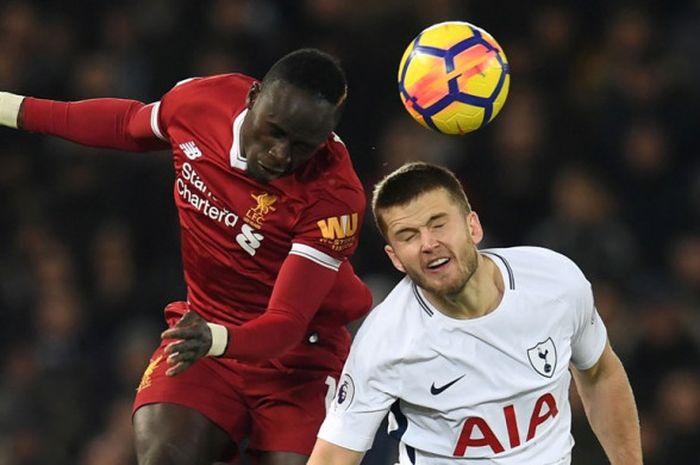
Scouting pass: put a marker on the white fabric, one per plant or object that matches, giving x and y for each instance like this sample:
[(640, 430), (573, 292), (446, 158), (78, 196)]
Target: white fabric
[(219, 339), (155, 125), (315, 256), (236, 157), (453, 387), (9, 109)]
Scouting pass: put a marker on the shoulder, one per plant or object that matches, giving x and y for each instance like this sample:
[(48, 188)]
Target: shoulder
[(230, 82), (388, 331), (538, 267), (229, 90), (330, 178)]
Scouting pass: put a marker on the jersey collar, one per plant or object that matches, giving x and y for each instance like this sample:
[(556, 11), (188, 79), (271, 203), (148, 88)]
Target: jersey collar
[(237, 160)]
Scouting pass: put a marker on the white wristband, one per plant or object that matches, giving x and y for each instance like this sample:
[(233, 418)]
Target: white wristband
[(9, 109), (219, 340)]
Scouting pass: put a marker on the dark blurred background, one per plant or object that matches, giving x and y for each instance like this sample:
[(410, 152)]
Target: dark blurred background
[(596, 155)]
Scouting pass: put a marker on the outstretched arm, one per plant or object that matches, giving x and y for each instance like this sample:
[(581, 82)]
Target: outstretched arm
[(609, 403), (107, 122), (301, 288)]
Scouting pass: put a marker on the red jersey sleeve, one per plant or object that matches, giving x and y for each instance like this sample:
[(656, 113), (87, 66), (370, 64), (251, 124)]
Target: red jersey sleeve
[(316, 274), (113, 123), (300, 290), (106, 122)]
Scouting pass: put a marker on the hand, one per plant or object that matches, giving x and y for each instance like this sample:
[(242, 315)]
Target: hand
[(193, 341)]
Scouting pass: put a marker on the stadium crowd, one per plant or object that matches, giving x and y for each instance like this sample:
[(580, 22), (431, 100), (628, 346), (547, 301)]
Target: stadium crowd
[(596, 155)]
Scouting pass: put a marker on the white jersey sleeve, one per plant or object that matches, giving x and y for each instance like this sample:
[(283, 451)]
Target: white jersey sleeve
[(366, 391), (590, 335)]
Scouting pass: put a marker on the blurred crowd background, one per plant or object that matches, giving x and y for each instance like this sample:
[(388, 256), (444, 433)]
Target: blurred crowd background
[(595, 155)]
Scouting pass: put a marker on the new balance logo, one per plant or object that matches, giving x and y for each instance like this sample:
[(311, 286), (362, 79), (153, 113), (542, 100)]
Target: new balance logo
[(191, 150)]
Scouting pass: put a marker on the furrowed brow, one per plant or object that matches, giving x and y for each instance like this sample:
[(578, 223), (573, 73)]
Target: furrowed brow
[(436, 217), (412, 229)]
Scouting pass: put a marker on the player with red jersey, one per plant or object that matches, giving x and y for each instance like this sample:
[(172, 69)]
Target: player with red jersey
[(270, 209)]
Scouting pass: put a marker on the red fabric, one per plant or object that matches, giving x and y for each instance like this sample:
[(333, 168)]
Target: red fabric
[(300, 290), (278, 412), (107, 122), (236, 232), (341, 296), (350, 299)]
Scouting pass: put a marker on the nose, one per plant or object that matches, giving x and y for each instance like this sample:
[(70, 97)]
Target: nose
[(281, 153), (428, 241)]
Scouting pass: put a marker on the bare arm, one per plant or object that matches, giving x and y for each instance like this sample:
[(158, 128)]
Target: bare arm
[(609, 403), (326, 453)]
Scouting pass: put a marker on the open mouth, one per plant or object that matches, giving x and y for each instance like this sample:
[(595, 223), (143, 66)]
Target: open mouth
[(438, 263)]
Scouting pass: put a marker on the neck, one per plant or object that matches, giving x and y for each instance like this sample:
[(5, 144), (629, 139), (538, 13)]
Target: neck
[(480, 296)]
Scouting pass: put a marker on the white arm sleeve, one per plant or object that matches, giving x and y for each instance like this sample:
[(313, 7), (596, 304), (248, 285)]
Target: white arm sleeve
[(590, 334)]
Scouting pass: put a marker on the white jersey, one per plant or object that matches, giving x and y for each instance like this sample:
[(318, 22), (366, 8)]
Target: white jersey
[(489, 390)]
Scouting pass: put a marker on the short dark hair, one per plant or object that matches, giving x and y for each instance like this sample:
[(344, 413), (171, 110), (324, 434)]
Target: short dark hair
[(409, 182), (312, 70)]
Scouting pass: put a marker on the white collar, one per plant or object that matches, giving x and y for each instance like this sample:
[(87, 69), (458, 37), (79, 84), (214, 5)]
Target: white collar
[(237, 159)]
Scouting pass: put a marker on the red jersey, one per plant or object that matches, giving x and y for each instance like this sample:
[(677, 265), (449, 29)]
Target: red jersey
[(236, 232), (249, 249)]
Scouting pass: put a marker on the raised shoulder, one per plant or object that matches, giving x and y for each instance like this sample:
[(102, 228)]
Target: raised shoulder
[(202, 97), (551, 258), (331, 169), (330, 199), (538, 268), (224, 81)]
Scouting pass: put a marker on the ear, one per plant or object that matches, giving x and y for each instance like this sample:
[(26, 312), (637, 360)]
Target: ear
[(253, 94), (394, 259), (475, 230)]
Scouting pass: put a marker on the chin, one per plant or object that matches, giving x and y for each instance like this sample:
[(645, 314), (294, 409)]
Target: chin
[(260, 177), (445, 289)]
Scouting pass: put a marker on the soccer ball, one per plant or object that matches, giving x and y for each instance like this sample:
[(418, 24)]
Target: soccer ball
[(454, 78)]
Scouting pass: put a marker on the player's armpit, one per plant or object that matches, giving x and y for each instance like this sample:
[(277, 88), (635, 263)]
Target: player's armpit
[(107, 122), (326, 453)]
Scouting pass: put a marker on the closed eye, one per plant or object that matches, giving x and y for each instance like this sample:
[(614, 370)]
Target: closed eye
[(405, 236), (276, 131)]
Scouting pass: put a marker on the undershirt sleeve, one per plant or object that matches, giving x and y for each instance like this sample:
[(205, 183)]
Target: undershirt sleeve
[(112, 123), (590, 335)]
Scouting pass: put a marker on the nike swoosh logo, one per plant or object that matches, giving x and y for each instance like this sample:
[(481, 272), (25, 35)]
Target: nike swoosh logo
[(437, 390)]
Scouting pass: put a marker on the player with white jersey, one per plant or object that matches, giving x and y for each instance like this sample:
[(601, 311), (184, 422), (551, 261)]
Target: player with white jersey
[(458, 378), (470, 354), (270, 209)]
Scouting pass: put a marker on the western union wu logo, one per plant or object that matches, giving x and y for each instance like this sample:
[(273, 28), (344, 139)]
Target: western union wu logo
[(338, 227)]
